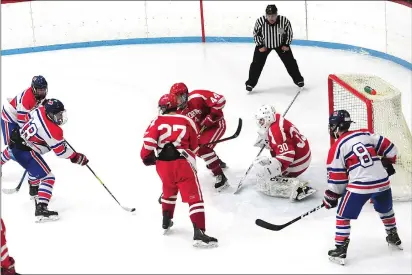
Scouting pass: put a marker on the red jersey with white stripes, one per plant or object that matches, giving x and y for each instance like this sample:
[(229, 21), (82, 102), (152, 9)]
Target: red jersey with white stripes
[(354, 164), (42, 135), (289, 147), (15, 110), (201, 103), (177, 129)]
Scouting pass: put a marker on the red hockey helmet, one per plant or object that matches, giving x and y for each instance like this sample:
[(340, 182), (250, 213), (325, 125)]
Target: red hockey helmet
[(165, 104), (179, 93)]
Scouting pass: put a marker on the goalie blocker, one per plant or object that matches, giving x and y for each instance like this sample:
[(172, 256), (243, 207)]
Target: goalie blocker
[(291, 156)]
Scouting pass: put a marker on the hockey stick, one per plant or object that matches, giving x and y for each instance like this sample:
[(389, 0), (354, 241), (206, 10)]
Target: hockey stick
[(240, 184), (235, 135), (15, 190), (125, 208), (275, 227)]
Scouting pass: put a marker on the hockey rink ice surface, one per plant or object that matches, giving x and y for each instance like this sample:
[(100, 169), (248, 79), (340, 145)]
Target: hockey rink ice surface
[(111, 95)]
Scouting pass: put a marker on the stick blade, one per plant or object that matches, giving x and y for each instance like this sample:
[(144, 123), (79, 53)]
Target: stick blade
[(268, 225), (9, 191), (129, 209)]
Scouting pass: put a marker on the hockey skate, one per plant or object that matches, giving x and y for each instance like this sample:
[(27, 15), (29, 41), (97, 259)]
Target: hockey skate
[(43, 214), (201, 240), (33, 191), (221, 182), (167, 222), (393, 238), (338, 255)]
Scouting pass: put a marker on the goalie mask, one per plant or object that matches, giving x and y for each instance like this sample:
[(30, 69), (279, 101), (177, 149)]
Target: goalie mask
[(265, 116)]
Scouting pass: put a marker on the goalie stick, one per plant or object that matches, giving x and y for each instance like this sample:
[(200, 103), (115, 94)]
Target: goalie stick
[(15, 190), (275, 227), (240, 184), (235, 135)]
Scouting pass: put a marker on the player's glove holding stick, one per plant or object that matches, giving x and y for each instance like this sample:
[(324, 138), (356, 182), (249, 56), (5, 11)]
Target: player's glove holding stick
[(330, 199)]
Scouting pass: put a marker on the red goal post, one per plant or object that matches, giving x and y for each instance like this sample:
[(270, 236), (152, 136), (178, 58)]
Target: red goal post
[(380, 113)]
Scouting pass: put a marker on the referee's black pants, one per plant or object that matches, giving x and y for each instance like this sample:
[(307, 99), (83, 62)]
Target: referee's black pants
[(259, 60)]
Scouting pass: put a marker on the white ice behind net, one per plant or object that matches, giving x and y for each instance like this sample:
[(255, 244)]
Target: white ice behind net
[(387, 120)]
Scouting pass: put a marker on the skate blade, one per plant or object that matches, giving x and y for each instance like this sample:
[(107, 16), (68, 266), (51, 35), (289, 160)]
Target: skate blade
[(223, 187), (166, 231), (337, 260), (200, 244), (41, 219), (400, 247)]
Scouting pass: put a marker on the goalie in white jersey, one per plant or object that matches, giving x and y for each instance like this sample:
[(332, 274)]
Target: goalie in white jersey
[(39, 135), (359, 165)]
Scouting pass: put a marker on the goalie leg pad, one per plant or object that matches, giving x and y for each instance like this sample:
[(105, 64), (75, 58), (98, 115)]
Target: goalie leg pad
[(290, 188)]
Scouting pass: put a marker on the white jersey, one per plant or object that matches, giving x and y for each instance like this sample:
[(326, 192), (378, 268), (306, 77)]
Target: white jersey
[(354, 163), (16, 109), (42, 135)]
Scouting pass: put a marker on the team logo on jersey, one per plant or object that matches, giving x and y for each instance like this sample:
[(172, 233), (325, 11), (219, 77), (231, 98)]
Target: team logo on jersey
[(194, 113)]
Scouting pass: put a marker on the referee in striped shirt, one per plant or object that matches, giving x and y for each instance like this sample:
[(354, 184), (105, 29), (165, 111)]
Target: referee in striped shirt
[(273, 32)]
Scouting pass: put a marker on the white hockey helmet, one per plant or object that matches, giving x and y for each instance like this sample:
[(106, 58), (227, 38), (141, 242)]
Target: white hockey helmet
[(265, 116)]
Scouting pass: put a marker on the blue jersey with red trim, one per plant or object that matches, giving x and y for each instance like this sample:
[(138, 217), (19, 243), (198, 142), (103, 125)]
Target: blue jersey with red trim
[(354, 163), (42, 135)]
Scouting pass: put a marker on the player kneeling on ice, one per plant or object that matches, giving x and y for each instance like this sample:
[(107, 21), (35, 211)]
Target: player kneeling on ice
[(174, 138), (290, 153), (358, 174), (39, 135)]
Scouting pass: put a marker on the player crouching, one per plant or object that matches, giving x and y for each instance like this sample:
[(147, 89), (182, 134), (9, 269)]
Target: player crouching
[(290, 152), (175, 139)]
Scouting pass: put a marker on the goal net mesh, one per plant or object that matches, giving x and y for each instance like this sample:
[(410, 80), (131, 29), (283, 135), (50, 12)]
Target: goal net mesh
[(387, 120)]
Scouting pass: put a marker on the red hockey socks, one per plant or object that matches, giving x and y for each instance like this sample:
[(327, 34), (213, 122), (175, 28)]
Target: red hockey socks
[(168, 204), (197, 215), (5, 156)]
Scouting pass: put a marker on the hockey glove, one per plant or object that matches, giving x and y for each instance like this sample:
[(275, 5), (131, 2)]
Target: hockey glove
[(79, 159), (330, 199), (387, 164), (150, 160), (207, 122), (260, 142)]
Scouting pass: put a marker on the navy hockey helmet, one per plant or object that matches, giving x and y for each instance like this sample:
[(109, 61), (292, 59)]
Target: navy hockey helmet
[(339, 121), (39, 87), (55, 111), (271, 10)]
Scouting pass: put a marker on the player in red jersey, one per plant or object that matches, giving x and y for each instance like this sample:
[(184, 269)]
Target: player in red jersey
[(7, 262), (205, 108), (290, 152), (14, 111), (173, 138)]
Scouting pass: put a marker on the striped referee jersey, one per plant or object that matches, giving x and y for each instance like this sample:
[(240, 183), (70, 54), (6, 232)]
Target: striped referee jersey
[(273, 36)]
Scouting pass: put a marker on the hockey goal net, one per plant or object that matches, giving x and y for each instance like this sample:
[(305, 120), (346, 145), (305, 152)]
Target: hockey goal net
[(380, 113)]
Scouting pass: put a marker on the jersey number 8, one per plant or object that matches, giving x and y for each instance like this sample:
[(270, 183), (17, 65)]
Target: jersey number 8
[(363, 155)]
